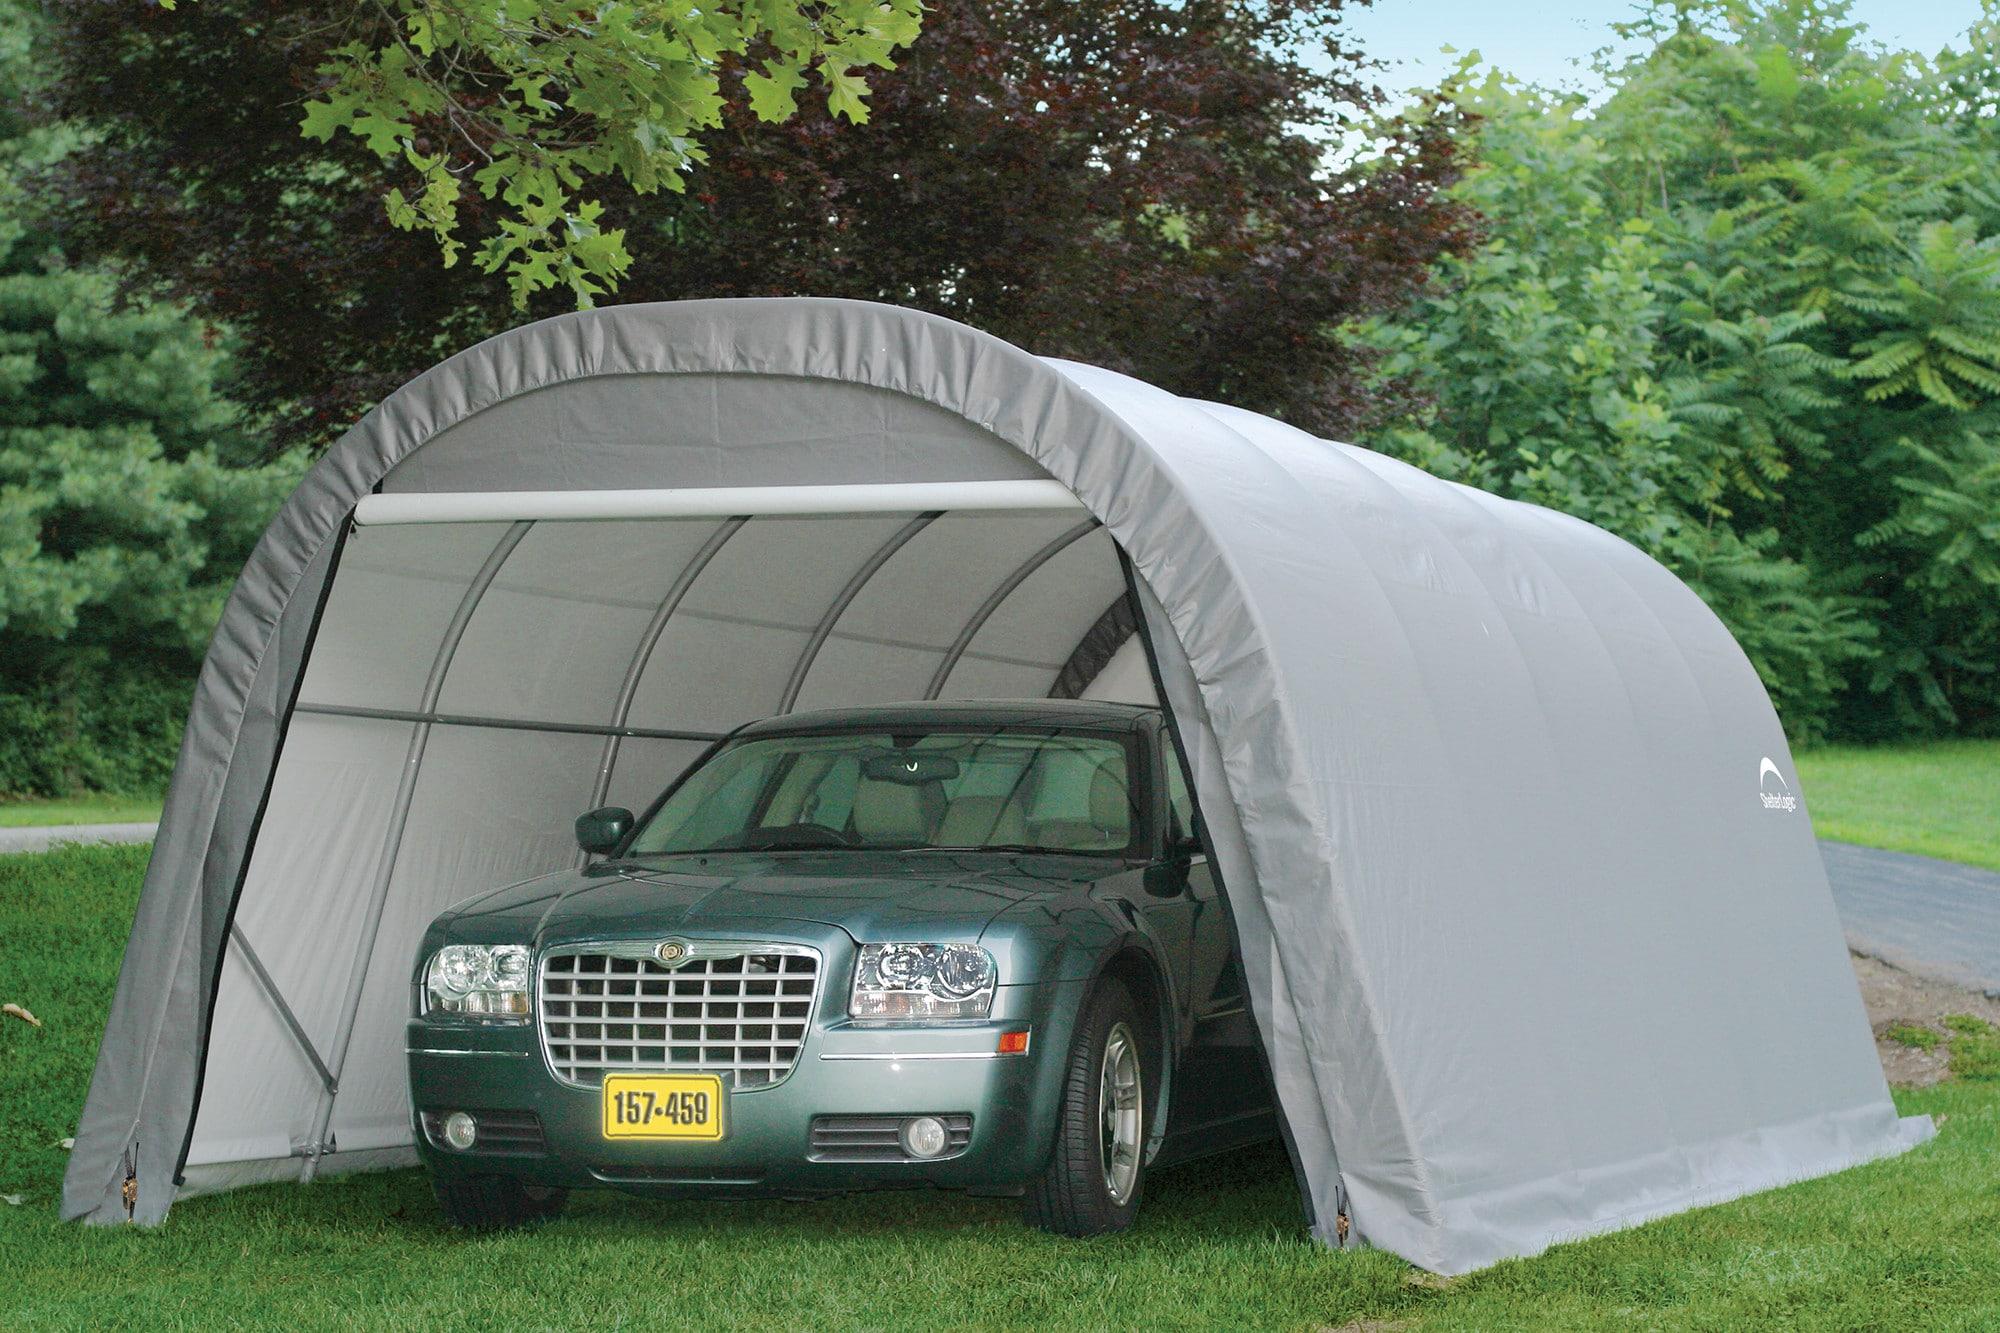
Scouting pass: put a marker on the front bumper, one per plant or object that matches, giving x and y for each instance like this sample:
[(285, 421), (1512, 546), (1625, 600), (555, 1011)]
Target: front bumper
[(844, 1069)]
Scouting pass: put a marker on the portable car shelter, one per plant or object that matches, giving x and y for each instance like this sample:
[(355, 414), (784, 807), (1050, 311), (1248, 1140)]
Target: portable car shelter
[(1537, 936)]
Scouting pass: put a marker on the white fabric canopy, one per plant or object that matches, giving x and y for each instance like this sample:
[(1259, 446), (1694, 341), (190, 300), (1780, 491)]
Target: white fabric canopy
[(1530, 956)]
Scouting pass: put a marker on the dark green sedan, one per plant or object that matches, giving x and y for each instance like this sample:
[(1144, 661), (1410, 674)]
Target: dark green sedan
[(969, 946)]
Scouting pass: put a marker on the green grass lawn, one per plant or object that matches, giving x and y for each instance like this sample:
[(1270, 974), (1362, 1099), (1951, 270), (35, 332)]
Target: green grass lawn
[(1941, 799), (87, 809), (1913, 1242)]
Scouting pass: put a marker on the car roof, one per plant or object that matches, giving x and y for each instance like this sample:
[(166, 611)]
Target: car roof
[(960, 712)]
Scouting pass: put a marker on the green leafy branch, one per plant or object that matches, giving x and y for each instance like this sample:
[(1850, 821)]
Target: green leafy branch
[(1939, 320), (527, 102)]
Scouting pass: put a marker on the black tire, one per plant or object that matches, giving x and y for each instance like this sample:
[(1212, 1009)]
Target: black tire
[(495, 1203), (1074, 1197)]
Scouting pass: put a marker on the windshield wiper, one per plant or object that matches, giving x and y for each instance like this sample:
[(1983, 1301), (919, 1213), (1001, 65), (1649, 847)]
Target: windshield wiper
[(1012, 847), (686, 851), (994, 847)]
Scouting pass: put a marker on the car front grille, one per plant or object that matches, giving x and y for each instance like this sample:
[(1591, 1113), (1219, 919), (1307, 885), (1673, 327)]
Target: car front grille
[(878, 1138), (740, 1011)]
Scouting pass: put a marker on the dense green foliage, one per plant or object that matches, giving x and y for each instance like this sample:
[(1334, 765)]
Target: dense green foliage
[(128, 497), (1745, 312), (1908, 1243), (531, 100), (99, 723)]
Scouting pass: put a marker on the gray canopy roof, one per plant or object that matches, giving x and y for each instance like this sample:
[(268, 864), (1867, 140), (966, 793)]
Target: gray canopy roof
[(1535, 929)]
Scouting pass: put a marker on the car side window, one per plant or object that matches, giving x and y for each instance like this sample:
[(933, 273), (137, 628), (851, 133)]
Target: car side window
[(1180, 801)]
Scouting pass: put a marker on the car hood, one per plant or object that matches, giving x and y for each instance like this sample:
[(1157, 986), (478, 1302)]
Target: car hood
[(944, 895)]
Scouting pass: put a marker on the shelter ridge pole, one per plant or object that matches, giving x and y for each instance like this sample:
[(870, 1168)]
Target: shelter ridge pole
[(277, 998), (824, 629), (642, 655), (392, 841), (999, 595), (712, 502)]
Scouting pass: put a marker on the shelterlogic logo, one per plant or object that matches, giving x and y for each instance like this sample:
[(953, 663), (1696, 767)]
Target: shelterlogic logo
[(1773, 790)]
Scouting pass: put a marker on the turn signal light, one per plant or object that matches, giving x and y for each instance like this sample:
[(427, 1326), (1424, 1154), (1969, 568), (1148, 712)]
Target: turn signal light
[(1013, 1043)]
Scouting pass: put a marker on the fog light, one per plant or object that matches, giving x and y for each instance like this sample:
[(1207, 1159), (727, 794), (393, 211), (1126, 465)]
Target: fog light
[(925, 1136), (460, 1130)]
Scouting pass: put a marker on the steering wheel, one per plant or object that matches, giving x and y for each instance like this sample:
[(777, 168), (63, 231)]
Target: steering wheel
[(797, 835)]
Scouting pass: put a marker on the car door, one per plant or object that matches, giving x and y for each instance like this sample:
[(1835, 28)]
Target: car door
[(1221, 1076)]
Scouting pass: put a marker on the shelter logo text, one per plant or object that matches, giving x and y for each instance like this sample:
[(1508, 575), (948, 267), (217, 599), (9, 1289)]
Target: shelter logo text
[(1773, 790)]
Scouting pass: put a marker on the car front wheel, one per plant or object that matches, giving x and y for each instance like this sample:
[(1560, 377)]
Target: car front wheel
[(495, 1203), (1097, 1171)]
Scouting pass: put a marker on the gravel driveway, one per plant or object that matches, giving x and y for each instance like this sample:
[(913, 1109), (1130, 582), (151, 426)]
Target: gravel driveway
[(41, 839), (1931, 918)]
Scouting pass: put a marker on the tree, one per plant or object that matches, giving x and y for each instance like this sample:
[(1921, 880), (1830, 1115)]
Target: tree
[(1141, 183), (125, 504), (1746, 312), (532, 99)]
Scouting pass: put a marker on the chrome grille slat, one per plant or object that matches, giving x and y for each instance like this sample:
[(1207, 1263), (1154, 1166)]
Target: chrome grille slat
[(740, 1010)]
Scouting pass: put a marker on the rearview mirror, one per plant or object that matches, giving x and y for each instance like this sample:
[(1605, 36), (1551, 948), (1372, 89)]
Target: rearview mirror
[(600, 831), (909, 768)]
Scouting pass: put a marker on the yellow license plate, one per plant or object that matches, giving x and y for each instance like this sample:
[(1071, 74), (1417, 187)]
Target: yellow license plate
[(662, 1106)]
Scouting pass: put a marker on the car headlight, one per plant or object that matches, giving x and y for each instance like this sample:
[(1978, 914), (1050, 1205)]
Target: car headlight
[(920, 982), (479, 979)]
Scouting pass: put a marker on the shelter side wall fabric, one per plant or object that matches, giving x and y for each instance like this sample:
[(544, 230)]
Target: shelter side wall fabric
[(304, 901), (1527, 716), (218, 1177)]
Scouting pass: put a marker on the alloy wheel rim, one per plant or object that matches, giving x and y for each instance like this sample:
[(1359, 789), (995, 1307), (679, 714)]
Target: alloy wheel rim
[(1119, 1113)]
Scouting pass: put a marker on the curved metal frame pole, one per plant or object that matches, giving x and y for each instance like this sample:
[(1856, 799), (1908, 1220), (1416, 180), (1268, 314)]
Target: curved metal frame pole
[(642, 656), (824, 630), (392, 842), (999, 595), (474, 720), (649, 639)]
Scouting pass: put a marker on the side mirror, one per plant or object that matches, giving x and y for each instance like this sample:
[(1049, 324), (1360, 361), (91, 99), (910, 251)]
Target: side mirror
[(1183, 846), (600, 831)]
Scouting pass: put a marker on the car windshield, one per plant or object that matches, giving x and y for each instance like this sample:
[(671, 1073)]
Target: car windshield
[(943, 790)]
